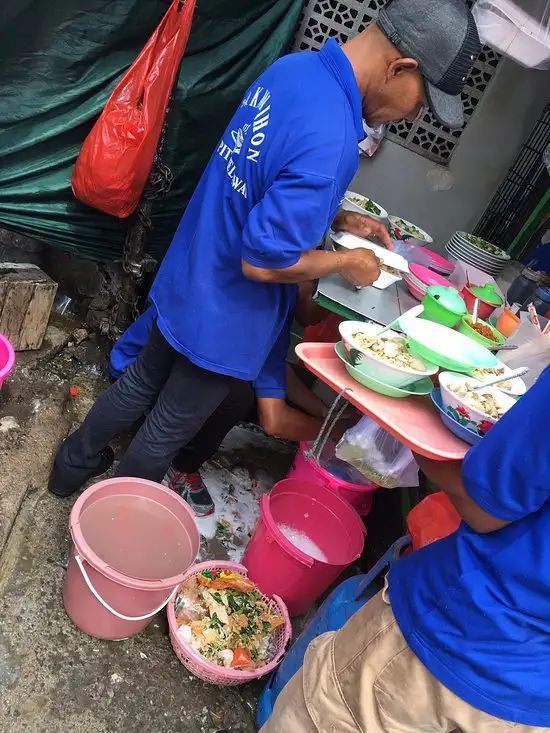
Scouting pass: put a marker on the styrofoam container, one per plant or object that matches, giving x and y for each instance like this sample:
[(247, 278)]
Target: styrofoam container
[(349, 205), (387, 257), (371, 364), (463, 412)]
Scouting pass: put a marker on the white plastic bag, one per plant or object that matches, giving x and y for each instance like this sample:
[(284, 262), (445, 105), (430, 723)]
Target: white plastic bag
[(520, 29), (374, 136), (378, 455), (533, 350)]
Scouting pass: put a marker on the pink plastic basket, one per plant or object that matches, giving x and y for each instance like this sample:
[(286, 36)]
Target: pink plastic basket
[(201, 667)]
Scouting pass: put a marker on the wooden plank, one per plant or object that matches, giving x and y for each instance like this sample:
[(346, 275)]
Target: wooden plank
[(26, 298), (36, 318)]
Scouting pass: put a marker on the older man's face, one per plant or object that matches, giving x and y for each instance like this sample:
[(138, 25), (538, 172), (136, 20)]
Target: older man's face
[(398, 95)]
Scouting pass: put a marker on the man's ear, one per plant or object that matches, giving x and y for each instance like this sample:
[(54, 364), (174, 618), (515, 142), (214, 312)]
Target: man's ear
[(400, 65)]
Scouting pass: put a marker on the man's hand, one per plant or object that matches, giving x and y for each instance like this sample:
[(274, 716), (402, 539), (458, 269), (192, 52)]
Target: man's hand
[(362, 226), (360, 267)]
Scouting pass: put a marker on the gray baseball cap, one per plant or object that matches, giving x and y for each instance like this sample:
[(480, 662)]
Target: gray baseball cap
[(442, 36)]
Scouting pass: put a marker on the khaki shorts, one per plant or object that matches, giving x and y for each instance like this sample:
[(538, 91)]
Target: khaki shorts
[(366, 678)]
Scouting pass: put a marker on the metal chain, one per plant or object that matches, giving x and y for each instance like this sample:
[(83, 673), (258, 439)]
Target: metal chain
[(158, 184)]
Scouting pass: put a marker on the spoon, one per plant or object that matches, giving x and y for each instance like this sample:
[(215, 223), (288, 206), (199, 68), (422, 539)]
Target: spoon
[(504, 347), (413, 312), (476, 309), (503, 378)]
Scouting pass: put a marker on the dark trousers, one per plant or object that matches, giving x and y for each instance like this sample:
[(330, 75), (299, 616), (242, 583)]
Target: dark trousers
[(182, 399)]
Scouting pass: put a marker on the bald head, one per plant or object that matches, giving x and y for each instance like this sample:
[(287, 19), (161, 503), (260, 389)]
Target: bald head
[(391, 85)]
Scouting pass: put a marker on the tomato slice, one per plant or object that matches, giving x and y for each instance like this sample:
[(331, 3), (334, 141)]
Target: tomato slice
[(241, 657)]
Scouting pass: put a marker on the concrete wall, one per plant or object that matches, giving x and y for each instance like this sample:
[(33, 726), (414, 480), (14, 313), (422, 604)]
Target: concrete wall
[(403, 182)]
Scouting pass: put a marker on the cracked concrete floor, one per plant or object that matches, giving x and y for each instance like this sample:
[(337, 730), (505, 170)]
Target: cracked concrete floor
[(53, 678)]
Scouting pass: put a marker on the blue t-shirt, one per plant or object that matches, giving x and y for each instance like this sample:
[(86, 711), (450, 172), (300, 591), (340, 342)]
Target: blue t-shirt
[(270, 382), (475, 608), (268, 194)]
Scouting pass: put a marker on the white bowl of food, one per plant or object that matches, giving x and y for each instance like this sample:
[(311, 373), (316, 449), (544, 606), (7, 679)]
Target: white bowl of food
[(388, 358), (363, 205), (477, 410), (406, 231), (513, 387)]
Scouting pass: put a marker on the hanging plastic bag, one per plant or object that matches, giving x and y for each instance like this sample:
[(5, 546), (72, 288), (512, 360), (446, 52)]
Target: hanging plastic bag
[(378, 455), (114, 162), (374, 136), (520, 29), (533, 350)]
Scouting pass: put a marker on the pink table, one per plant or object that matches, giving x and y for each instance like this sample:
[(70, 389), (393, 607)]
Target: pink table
[(414, 420)]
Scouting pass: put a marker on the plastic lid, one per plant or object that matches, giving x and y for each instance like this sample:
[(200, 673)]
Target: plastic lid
[(487, 294), (543, 294), (448, 298)]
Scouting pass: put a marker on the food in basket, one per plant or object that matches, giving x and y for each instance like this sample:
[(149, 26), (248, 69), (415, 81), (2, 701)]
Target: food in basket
[(485, 402), (484, 375), (392, 350), (222, 616), (409, 229), (369, 206), (484, 330)]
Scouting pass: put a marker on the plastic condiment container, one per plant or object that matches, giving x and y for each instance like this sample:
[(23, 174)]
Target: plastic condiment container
[(541, 300), (443, 305), (489, 299)]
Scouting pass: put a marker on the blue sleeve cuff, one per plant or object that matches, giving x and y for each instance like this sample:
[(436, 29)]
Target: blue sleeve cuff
[(270, 393), (487, 501), (269, 262)]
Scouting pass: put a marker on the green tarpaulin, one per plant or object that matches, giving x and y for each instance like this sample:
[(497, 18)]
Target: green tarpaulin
[(59, 62)]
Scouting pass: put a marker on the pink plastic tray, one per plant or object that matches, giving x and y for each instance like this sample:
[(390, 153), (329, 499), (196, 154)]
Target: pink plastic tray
[(429, 277), (413, 420), (437, 260)]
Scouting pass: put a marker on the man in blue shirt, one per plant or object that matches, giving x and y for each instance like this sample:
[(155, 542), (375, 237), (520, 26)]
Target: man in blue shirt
[(296, 415), (465, 643), (227, 286)]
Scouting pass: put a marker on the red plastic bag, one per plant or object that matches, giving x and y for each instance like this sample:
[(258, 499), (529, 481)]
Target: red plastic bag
[(432, 519), (115, 160)]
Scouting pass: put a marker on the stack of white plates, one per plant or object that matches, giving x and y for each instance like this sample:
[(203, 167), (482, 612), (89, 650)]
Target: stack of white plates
[(485, 257)]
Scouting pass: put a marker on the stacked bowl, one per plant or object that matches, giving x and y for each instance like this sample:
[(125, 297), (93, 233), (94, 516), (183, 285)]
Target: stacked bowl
[(420, 278), (477, 252)]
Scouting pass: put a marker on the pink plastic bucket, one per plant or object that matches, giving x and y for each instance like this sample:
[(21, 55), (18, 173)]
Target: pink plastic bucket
[(278, 567), (133, 542), (7, 358), (307, 469)]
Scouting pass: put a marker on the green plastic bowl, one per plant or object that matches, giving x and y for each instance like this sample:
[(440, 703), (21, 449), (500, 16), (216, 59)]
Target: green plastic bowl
[(434, 311), (466, 328), (421, 387), (442, 304)]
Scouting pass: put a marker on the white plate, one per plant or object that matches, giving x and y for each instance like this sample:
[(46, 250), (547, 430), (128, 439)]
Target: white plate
[(473, 252), (501, 255), (475, 256), (468, 259), (349, 205), (462, 252)]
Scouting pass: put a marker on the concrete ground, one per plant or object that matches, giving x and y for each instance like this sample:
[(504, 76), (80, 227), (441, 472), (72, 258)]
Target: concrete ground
[(53, 678)]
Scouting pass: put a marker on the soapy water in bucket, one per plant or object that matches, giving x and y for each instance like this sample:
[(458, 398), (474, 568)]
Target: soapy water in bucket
[(122, 529), (302, 542)]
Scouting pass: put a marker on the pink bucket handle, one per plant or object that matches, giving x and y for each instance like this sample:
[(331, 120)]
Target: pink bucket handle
[(112, 610)]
